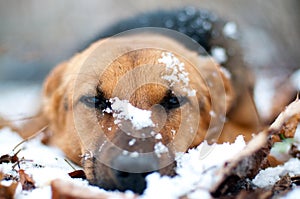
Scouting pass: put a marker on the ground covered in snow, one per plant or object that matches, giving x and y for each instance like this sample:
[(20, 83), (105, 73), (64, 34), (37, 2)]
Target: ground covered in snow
[(33, 170)]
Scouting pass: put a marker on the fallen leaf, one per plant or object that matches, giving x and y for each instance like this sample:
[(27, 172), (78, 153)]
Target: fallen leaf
[(282, 186), (7, 192), (7, 158), (77, 174), (67, 190), (26, 181)]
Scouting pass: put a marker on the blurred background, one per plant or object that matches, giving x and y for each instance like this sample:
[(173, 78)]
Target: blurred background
[(36, 35)]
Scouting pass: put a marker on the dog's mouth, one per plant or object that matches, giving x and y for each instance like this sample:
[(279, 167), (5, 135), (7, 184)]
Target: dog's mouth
[(126, 172), (135, 181)]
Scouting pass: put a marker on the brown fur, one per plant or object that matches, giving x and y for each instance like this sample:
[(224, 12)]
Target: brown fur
[(66, 116)]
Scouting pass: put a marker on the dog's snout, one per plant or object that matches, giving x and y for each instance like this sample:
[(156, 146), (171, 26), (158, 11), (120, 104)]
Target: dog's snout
[(130, 172)]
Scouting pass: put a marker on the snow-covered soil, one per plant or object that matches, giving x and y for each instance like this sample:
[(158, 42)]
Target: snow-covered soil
[(197, 174)]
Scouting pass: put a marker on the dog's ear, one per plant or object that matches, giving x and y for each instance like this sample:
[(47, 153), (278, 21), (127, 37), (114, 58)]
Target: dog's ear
[(50, 95), (219, 82), (54, 95), (54, 79)]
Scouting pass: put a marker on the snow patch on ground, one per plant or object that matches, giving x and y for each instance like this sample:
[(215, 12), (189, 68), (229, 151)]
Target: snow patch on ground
[(196, 169), (294, 194), (270, 176), (42, 163), (19, 101)]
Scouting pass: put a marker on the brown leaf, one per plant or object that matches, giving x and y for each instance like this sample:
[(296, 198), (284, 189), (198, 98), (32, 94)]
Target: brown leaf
[(294, 152), (77, 174), (67, 190), (7, 192), (257, 194), (282, 186), (7, 158), (296, 180), (26, 181)]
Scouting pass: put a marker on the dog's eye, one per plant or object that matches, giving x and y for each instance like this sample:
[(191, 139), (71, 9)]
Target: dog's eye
[(98, 102), (171, 101)]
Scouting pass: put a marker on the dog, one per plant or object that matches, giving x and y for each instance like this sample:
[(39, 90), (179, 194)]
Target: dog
[(84, 98)]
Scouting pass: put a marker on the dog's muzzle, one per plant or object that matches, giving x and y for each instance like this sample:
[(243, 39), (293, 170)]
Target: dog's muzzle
[(130, 172)]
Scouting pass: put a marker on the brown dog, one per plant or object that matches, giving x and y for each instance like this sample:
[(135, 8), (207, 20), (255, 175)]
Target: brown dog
[(79, 107)]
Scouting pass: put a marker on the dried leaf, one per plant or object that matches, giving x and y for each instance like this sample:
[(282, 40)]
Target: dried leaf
[(4, 159), (257, 194), (77, 174), (294, 152), (296, 180), (26, 181), (67, 190), (7, 158), (7, 192), (282, 186), (292, 110)]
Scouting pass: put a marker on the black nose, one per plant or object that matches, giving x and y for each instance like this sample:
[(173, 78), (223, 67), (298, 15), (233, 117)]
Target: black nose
[(130, 172)]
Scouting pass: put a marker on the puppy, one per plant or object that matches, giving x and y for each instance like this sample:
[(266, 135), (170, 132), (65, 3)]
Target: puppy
[(124, 106)]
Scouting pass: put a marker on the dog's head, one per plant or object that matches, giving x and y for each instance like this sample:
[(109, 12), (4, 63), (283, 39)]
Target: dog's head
[(129, 106)]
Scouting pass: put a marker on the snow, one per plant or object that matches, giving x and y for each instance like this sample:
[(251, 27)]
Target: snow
[(123, 110), (42, 163), (270, 176), (196, 169), (132, 142), (158, 136), (176, 72), (264, 92), (226, 72), (160, 148), (230, 30), (219, 54), (134, 154), (212, 113), (295, 79), (19, 101), (294, 194)]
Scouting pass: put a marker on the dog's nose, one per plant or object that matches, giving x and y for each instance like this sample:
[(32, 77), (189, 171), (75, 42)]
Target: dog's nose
[(130, 172)]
